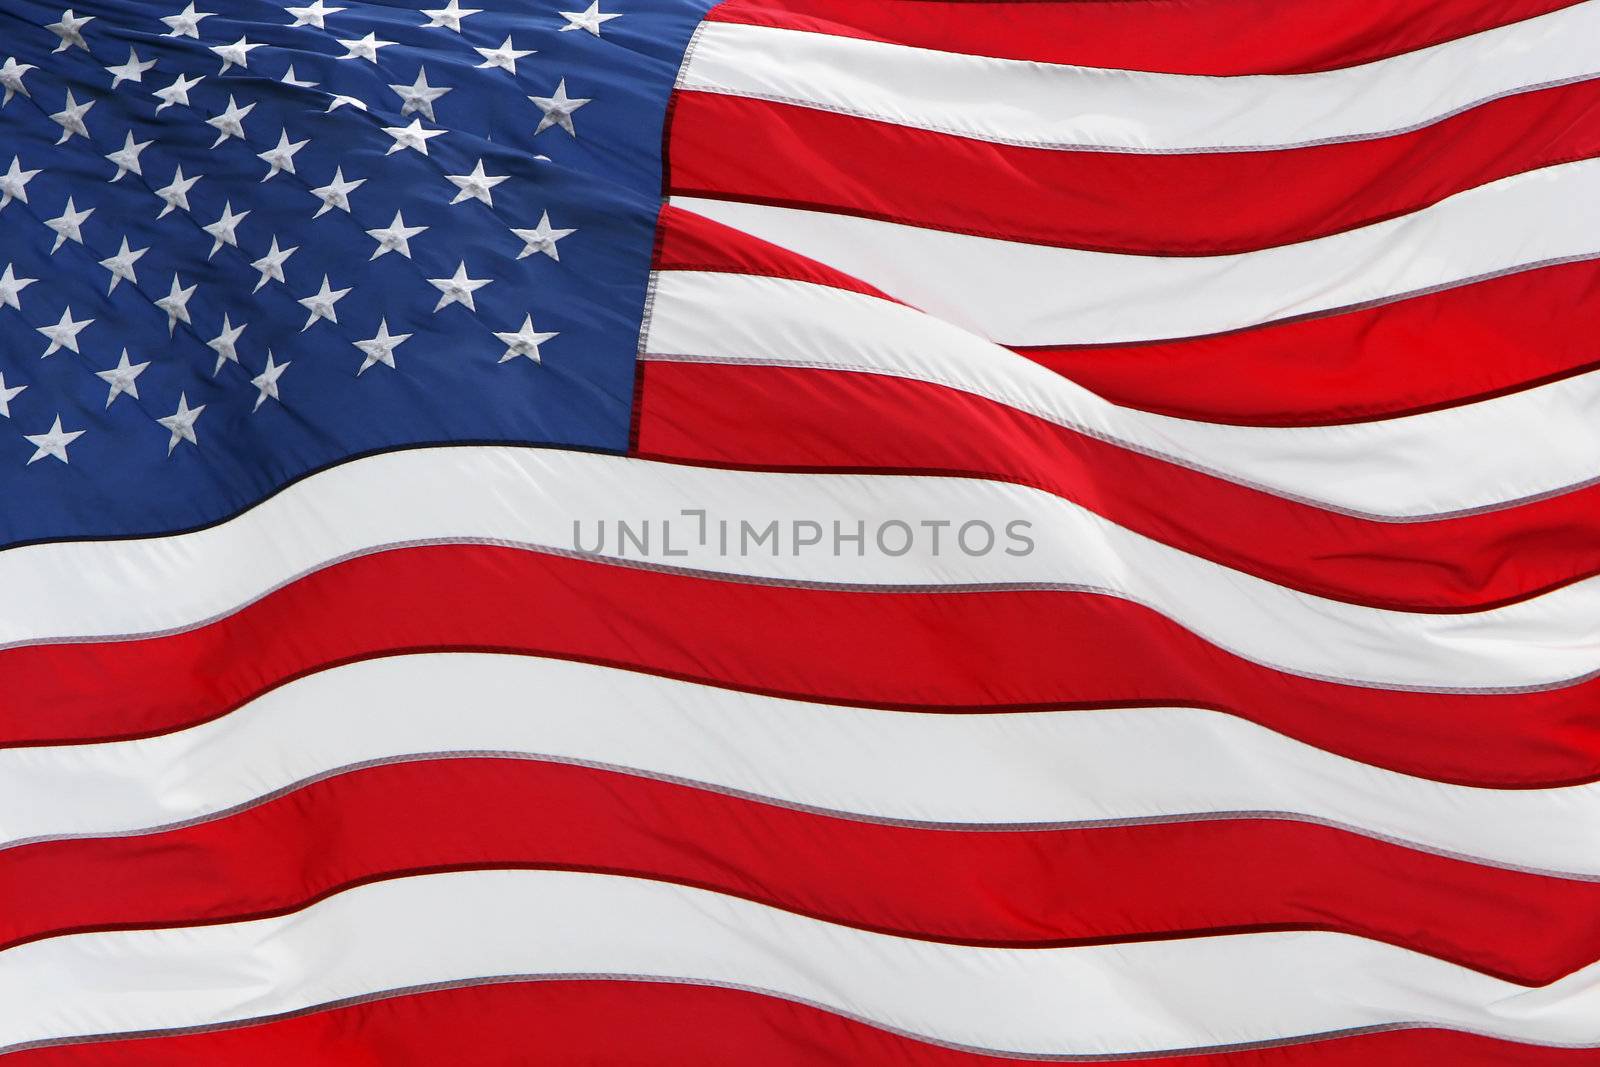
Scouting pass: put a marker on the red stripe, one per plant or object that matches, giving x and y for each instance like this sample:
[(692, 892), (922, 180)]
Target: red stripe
[(960, 652), (1026, 888), (1396, 359), (1168, 205), (659, 1024), (1399, 358), (686, 241), (804, 419), (1175, 36)]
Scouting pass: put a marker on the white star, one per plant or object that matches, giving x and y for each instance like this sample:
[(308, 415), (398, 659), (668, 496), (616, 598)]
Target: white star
[(176, 304), (524, 342), (281, 156), (14, 183), (380, 348), (395, 237), (541, 238), (313, 15), (457, 289), (177, 92), (289, 79), (53, 442), (419, 95), (476, 186), (345, 101), (221, 231), (271, 264), (231, 122), (7, 395), (176, 195), (236, 54), (449, 17), (70, 118), (122, 378), (11, 288), (226, 343), (320, 304), (412, 136), (70, 30), (181, 423), (505, 57), (590, 18), (267, 380), (127, 157), (366, 48), (63, 334), (11, 73), (121, 265), (131, 71), (558, 109), (336, 194), (185, 23), (68, 225)]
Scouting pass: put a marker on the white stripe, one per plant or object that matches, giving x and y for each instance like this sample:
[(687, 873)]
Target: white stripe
[(1025, 294), (1536, 441), (1051, 105), (536, 496), (927, 768), (454, 927)]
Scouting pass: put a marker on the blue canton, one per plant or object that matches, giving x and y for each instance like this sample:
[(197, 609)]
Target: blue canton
[(240, 242)]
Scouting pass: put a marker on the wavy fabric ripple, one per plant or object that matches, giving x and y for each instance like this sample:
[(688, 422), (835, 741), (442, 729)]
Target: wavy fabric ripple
[(1269, 325)]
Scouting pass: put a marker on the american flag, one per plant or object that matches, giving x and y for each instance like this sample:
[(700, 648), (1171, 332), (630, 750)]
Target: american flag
[(800, 532)]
